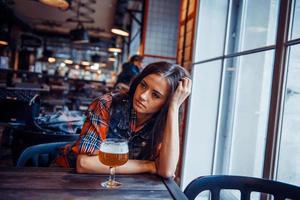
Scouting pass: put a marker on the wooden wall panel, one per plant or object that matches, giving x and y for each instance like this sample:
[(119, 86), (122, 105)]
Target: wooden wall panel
[(184, 57)]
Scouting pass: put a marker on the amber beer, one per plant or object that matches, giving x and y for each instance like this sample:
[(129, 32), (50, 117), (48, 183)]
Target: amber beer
[(113, 154), (113, 159)]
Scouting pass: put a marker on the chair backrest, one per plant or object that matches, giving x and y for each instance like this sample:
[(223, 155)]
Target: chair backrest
[(245, 185), (35, 151)]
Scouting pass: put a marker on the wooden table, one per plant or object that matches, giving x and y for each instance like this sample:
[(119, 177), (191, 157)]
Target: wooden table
[(59, 183)]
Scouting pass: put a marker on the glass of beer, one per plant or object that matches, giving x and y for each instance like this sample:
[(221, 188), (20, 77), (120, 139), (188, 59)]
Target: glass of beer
[(113, 152)]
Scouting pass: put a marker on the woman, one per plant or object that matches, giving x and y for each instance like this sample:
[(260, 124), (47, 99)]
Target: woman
[(147, 116)]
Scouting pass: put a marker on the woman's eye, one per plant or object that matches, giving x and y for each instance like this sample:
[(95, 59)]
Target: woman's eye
[(143, 85), (155, 95)]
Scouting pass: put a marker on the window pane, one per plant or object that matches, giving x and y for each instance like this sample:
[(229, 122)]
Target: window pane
[(295, 21), (289, 154), (211, 29), (244, 114), (252, 24), (201, 125)]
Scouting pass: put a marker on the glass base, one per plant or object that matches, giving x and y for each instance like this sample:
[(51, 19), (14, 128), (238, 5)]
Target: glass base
[(111, 184)]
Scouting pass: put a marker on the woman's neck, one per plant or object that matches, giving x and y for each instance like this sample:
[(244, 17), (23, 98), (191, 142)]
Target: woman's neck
[(141, 119)]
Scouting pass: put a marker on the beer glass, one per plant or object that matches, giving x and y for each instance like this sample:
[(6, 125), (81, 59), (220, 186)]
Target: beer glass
[(113, 152)]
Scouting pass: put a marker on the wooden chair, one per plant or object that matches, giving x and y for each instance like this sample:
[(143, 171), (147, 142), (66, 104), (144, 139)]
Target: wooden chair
[(245, 185)]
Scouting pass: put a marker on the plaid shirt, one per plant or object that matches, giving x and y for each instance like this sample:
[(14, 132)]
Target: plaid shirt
[(97, 127)]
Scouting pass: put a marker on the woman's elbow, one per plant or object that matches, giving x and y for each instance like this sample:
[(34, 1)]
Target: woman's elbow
[(166, 173), (80, 164)]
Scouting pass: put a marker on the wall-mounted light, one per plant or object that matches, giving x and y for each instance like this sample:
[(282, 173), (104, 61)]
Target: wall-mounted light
[(115, 50), (119, 31), (62, 4)]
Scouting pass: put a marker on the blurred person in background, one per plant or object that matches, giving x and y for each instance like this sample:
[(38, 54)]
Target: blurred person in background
[(129, 71)]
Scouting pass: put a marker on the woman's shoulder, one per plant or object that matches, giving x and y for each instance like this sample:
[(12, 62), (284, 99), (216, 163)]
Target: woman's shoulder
[(110, 99), (120, 100), (104, 102)]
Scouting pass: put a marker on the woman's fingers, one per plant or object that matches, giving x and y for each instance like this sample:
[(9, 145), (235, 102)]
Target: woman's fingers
[(183, 91), (186, 84)]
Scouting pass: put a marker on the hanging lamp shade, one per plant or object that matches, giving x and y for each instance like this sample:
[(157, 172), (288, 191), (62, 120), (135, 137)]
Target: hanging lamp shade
[(79, 35), (62, 4)]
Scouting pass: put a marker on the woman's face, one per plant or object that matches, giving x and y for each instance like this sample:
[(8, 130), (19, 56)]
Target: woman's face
[(151, 94)]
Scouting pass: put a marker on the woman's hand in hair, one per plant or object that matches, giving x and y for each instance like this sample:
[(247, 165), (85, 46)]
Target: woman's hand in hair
[(183, 90)]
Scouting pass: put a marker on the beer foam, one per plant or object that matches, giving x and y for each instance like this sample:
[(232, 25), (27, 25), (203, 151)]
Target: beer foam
[(114, 148)]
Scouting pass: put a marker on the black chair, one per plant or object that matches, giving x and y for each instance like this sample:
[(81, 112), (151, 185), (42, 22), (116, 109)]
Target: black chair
[(24, 138), (245, 185), (40, 155)]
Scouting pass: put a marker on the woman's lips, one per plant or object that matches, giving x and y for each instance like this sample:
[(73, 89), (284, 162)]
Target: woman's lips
[(140, 104)]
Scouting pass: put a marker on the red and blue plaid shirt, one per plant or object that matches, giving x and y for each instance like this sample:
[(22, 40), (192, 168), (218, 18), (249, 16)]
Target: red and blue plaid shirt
[(94, 130)]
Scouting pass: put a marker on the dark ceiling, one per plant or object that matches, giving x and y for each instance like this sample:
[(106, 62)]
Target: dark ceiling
[(98, 16), (52, 25)]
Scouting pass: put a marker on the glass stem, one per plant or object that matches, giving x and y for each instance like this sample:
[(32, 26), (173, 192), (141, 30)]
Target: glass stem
[(111, 174)]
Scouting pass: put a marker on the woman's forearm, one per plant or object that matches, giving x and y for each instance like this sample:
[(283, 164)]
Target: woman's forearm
[(91, 164), (169, 152)]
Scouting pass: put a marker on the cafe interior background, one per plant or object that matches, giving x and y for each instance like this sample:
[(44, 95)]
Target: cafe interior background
[(242, 117)]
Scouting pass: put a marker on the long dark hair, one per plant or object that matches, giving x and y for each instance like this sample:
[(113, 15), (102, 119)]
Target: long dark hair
[(173, 73)]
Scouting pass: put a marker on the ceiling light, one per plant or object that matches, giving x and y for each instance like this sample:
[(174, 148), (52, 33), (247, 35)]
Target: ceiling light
[(3, 38), (116, 50), (62, 4), (85, 63), (119, 31), (69, 62), (112, 59), (51, 60), (2, 42)]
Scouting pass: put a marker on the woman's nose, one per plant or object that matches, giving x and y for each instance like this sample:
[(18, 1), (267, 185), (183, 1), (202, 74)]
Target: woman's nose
[(144, 95)]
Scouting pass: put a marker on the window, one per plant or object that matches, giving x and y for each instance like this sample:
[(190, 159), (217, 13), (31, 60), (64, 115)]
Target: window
[(244, 114), (213, 15), (289, 138), (289, 153), (288, 160), (252, 24), (295, 20), (235, 67), (206, 84)]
